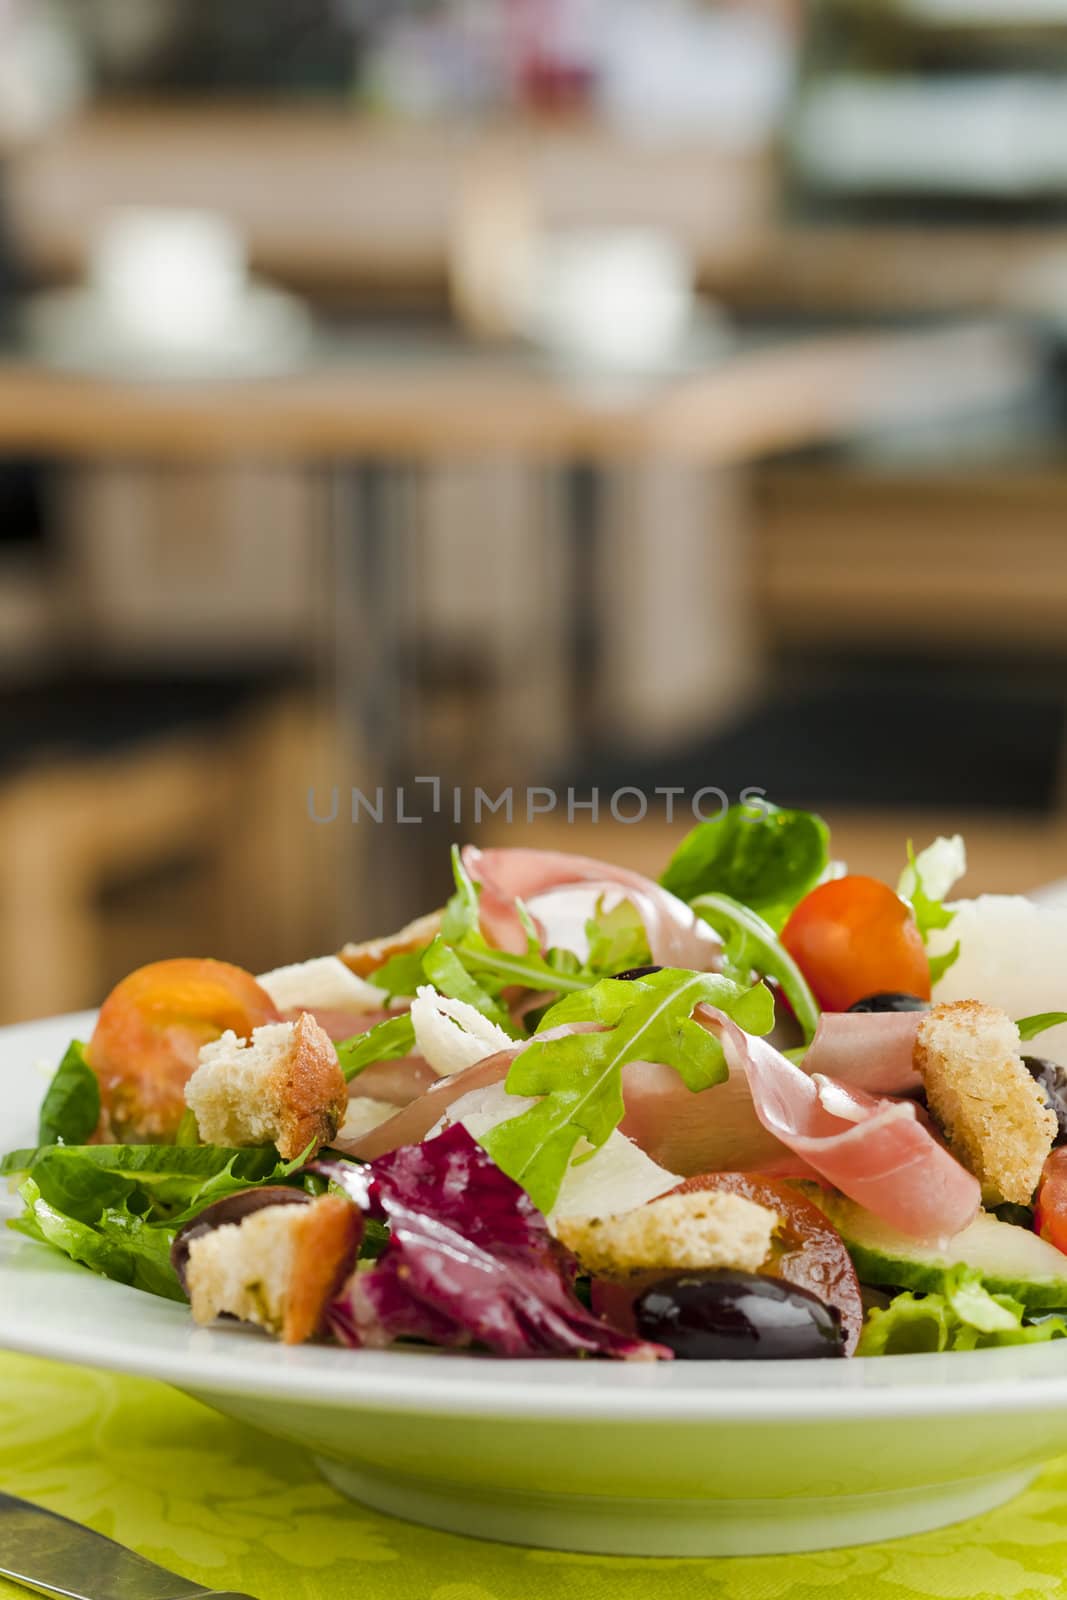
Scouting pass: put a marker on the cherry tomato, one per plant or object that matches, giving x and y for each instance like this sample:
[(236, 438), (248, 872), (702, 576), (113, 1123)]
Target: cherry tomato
[(1050, 1212), (854, 937), (807, 1250), (149, 1032)]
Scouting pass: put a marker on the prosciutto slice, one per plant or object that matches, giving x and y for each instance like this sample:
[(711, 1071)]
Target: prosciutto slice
[(676, 936), (878, 1152), (869, 1050), (413, 1122), (720, 1131), (341, 1024)]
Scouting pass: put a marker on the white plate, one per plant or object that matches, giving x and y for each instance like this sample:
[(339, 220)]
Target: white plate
[(680, 1459)]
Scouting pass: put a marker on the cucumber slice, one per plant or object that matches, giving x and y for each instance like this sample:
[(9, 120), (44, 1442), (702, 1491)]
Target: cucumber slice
[(1011, 1260)]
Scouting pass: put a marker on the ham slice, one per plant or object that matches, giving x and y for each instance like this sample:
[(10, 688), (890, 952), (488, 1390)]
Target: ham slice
[(878, 1152), (400, 1081), (341, 1024), (676, 936), (870, 1050), (720, 1131), (413, 1122)]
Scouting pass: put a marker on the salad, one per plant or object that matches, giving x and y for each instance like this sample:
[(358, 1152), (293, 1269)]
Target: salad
[(763, 1108)]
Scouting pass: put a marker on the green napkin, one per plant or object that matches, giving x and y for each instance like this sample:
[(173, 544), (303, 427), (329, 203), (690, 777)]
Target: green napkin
[(234, 1509)]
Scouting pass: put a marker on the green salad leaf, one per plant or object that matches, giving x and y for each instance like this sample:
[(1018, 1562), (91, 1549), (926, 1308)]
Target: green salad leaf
[(70, 1110), (751, 945), (580, 1074), (164, 1182), (116, 1208), (759, 855), (965, 1316), (386, 1041), (1030, 1027), (924, 882), (444, 968), (119, 1244), (461, 964)]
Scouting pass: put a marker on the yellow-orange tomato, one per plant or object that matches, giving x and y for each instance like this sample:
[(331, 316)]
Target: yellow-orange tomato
[(853, 937), (148, 1035)]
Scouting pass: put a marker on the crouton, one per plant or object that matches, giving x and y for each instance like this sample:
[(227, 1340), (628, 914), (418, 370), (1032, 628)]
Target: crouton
[(364, 959), (279, 1267), (980, 1094), (283, 1086), (680, 1232)]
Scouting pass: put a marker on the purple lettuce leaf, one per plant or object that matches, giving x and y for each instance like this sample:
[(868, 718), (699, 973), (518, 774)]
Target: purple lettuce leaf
[(470, 1260)]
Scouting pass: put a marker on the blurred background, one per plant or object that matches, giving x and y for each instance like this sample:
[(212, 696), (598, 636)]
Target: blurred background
[(579, 394)]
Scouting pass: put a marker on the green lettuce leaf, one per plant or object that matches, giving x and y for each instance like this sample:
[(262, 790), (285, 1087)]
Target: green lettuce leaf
[(116, 1208), (579, 1076), (751, 945), (759, 855), (1030, 1027), (163, 1182), (71, 1108), (964, 1317), (120, 1245)]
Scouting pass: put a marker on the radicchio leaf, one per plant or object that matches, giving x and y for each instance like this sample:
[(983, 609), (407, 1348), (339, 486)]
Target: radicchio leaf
[(470, 1260)]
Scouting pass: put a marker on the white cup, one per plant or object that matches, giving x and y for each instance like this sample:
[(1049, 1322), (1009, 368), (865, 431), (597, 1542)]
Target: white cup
[(613, 299), (168, 278)]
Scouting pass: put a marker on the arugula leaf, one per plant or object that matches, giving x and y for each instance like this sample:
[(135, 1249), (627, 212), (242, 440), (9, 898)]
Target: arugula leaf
[(71, 1108), (580, 1075), (401, 974), (461, 913), (445, 970), (964, 1317), (925, 882), (1030, 1027), (939, 965), (760, 855), (120, 1246), (751, 945), (386, 1041)]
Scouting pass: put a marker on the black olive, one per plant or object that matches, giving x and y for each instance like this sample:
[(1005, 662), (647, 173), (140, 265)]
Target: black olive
[(1053, 1080), (891, 1002), (231, 1208), (635, 972), (737, 1316)]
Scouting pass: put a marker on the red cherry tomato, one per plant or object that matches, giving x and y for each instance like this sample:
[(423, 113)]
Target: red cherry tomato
[(1050, 1211), (147, 1037), (853, 937)]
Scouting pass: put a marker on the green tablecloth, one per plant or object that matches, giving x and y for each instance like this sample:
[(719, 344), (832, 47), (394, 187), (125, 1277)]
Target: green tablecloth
[(232, 1508)]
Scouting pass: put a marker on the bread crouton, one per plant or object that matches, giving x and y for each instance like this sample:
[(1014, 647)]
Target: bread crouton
[(364, 959), (283, 1086), (279, 1267), (680, 1232), (990, 1109)]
